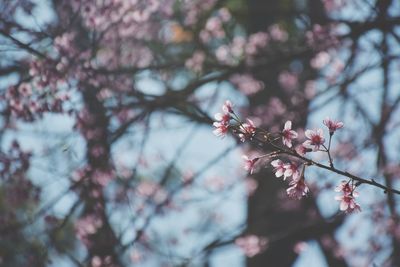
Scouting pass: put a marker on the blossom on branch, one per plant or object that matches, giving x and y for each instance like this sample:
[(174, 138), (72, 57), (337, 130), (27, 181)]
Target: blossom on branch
[(223, 120), (291, 169), (302, 150), (249, 163), (288, 134), (347, 200), (248, 130), (221, 129), (227, 107), (297, 189), (333, 125), (279, 167), (315, 139)]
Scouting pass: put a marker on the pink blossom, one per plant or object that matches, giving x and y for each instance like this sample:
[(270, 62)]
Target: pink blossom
[(291, 169), (223, 118), (227, 107), (302, 150), (316, 139), (221, 129), (256, 42), (333, 125), (344, 187), (297, 189), (195, 63), (249, 163), (347, 200), (279, 167), (152, 190), (248, 130), (246, 83), (251, 245), (348, 204), (86, 226), (278, 33), (288, 134), (320, 60)]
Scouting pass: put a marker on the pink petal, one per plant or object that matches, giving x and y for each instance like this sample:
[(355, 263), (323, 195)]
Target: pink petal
[(288, 125), (344, 205), (276, 163), (309, 133)]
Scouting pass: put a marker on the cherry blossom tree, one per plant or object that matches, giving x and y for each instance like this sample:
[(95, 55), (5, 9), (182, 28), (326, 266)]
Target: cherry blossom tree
[(114, 73)]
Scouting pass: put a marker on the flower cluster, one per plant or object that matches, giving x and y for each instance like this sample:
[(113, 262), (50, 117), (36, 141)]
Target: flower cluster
[(223, 120), (298, 187), (294, 168), (347, 199)]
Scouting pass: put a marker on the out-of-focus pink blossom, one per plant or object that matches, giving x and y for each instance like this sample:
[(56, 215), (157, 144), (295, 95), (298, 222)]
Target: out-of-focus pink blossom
[(152, 190), (251, 245), (302, 150), (333, 125), (221, 129), (249, 163), (315, 139), (86, 226), (246, 83), (278, 33), (320, 60), (227, 107), (195, 63), (223, 118), (256, 42), (288, 134)]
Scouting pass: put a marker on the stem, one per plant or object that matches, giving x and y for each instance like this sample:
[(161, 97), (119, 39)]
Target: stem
[(329, 153)]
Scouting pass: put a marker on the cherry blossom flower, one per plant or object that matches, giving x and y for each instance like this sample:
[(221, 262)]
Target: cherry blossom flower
[(344, 187), (248, 130), (279, 167), (251, 245), (249, 163), (348, 203), (221, 129), (297, 189), (291, 169), (302, 150), (316, 139), (347, 200), (333, 125), (288, 134), (222, 125), (223, 118), (227, 107)]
